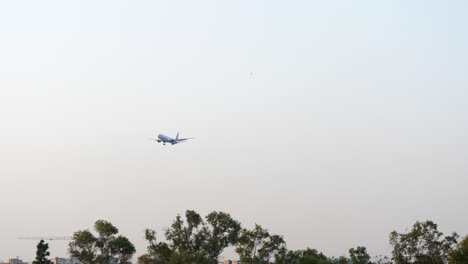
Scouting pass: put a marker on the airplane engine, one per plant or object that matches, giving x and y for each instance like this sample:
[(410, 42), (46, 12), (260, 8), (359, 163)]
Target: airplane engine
[(159, 141)]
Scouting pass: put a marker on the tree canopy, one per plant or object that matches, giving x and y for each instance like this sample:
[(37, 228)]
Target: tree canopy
[(359, 255), (258, 246), (423, 244), (104, 248), (193, 239), (460, 254), (42, 253)]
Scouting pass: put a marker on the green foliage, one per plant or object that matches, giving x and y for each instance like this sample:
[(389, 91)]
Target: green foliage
[(382, 260), (146, 259), (288, 257), (193, 240), (197, 240), (312, 256), (158, 253), (257, 246), (424, 244), (105, 229), (188, 236), (221, 231), (460, 254), (308, 256), (359, 255), (42, 253), (340, 260), (105, 248)]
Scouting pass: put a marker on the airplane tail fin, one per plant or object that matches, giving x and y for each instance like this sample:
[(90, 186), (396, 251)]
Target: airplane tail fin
[(177, 137)]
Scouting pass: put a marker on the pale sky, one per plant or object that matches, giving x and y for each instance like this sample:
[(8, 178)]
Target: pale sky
[(354, 122)]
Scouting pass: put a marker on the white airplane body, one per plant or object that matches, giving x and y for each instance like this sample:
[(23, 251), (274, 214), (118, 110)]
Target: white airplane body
[(166, 139)]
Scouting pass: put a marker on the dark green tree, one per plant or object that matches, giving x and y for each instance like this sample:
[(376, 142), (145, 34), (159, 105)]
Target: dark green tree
[(382, 260), (158, 252), (146, 259), (42, 253), (185, 240), (460, 254), (221, 231), (187, 236), (193, 240), (359, 255), (307, 256), (423, 244), (105, 248), (288, 257), (339, 260), (257, 246), (312, 256)]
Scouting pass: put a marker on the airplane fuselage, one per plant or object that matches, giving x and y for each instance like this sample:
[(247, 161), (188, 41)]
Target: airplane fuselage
[(165, 139)]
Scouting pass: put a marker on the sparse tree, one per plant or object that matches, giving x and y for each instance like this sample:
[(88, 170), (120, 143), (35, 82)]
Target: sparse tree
[(312, 256), (381, 260), (42, 253), (359, 255), (146, 259), (158, 252), (288, 257), (221, 231), (308, 256), (185, 240), (193, 240), (424, 244), (105, 248), (187, 236), (257, 246), (340, 260), (460, 254)]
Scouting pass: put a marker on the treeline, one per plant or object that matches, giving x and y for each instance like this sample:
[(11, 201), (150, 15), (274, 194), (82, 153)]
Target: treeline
[(193, 239)]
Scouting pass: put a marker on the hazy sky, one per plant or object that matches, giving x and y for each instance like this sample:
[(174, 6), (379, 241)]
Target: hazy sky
[(354, 122)]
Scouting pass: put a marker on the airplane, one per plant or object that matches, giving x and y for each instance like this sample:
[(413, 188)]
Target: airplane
[(165, 139)]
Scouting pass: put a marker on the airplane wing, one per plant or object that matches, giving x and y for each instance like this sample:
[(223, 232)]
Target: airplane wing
[(183, 139)]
